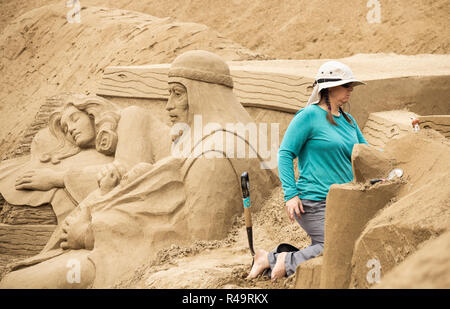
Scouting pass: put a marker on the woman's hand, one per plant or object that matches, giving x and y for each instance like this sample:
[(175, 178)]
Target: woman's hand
[(294, 205), (40, 179)]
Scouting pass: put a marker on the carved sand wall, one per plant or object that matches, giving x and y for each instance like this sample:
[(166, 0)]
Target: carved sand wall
[(427, 268), (439, 123), (420, 211), (284, 85), (253, 87), (270, 95), (384, 126)]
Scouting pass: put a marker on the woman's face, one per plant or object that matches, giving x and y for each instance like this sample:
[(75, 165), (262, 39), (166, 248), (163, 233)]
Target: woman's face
[(177, 105), (340, 94), (78, 126)]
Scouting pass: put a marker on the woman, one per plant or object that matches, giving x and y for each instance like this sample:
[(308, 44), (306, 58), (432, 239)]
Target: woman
[(322, 137), (87, 133), (179, 199)]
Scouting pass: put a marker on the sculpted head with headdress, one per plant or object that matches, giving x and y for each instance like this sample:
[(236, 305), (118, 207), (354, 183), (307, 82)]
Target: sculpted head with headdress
[(200, 83)]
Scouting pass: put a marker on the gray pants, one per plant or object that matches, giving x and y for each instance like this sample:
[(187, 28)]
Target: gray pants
[(313, 222)]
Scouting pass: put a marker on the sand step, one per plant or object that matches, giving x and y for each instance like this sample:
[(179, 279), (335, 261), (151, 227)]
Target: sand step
[(307, 275), (440, 123), (384, 126)]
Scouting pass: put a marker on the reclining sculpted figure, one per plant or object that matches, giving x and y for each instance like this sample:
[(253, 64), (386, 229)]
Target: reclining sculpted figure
[(87, 133), (177, 199)]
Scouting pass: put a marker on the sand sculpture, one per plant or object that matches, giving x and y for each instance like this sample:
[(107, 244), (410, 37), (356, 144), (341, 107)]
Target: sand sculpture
[(419, 212), (141, 200), (349, 207), (416, 84), (386, 222), (86, 134)]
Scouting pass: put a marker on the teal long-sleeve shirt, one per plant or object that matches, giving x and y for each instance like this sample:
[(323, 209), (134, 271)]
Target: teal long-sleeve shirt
[(324, 153)]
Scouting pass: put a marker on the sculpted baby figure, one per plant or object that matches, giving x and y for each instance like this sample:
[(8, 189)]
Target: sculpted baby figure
[(76, 229)]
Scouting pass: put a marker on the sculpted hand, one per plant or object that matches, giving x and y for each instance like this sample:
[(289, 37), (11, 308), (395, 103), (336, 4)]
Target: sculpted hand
[(294, 205), (40, 179), (77, 231)]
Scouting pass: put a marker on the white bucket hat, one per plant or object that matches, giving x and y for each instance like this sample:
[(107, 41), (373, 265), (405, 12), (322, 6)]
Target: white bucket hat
[(332, 74)]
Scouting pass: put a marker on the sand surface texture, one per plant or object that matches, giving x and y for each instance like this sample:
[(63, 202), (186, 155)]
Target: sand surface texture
[(404, 60)]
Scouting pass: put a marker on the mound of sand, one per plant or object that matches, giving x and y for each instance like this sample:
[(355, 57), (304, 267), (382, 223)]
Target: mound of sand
[(43, 55), (298, 29), (223, 263)]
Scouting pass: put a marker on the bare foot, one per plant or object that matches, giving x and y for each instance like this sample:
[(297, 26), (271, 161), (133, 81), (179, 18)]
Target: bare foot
[(279, 270), (261, 263)]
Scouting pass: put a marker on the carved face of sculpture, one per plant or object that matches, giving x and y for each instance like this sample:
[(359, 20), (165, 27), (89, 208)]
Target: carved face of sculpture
[(78, 126), (177, 105)]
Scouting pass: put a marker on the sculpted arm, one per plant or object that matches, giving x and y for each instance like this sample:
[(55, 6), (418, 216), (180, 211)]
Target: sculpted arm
[(40, 179)]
